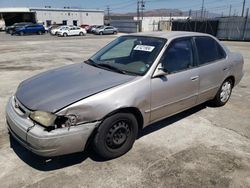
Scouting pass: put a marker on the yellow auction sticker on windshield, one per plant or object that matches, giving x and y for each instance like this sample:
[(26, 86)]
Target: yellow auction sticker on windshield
[(144, 48)]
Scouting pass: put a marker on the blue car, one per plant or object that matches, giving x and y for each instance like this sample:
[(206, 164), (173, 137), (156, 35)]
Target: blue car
[(30, 29)]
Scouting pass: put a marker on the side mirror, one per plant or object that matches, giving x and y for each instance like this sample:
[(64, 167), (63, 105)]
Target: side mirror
[(160, 71)]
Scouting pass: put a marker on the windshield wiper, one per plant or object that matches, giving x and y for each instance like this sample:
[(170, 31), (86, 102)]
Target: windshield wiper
[(91, 62), (110, 67)]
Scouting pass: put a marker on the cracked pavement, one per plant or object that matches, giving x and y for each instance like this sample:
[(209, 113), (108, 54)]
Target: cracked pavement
[(201, 147)]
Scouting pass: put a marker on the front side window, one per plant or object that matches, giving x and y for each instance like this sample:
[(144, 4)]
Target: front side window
[(178, 56), (208, 50), (129, 54)]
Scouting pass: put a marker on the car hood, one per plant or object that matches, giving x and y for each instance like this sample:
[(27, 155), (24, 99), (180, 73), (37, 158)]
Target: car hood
[(55, 89)]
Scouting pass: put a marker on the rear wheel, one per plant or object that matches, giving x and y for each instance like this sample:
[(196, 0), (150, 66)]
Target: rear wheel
[(116, 135), (101, 33), (65, 34), (39, 32), (224, 93), (81, 33), (115, 32), (21, 33)]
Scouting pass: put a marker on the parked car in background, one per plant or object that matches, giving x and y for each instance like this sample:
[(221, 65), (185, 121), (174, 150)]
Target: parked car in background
[(29, 29), (2, 25), (134, 81), (89, 30), (106, 30), (71, 31), (46, 28), (96, 27), (11, 29), (51, 27), (85, 26), (55, 30)]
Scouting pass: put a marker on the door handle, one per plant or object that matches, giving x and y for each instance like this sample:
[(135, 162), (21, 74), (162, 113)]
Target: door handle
[(194, 78)]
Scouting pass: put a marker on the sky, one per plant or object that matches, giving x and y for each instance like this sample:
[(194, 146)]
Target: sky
[(122, 6)]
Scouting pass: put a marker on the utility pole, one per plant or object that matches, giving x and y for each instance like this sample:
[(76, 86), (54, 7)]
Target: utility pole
[(108, 13), (243, 8), (202, 8), (138, 10), (230, 9), (190, 14), (142, 8)]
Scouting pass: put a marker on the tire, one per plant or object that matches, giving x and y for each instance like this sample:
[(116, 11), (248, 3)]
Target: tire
[(224, 93), (81, 33), (21, 33), (116, 135), (65, 34), (115, 32), (101, 33), (39, 32)]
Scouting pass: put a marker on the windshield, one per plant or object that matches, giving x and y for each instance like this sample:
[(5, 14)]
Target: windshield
[(100, 27), (20, 24), (129, 54)]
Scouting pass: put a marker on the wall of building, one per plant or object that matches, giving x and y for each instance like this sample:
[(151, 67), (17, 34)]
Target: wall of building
[(80, 17), (125, 26), (152, 23)]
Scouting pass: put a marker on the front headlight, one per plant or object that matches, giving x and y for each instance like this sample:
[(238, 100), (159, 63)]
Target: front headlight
[(44, 118)]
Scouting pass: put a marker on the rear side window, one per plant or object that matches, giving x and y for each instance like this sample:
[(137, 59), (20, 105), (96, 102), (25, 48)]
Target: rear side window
[(208, 50)]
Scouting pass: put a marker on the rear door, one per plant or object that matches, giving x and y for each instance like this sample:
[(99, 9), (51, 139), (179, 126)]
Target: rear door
[(177, 90), (213, 67), (71, 31)]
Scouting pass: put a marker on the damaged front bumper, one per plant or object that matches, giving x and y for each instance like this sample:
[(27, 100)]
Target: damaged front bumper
[(38, 140)]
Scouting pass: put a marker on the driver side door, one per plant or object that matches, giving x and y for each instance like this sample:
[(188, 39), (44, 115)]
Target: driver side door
[(178, 89)]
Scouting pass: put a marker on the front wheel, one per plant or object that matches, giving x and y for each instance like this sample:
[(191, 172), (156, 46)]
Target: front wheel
[(39, 32), (65, 34), (101, 33), (81, 33), (116, 135), (21, 33), (224, 93)]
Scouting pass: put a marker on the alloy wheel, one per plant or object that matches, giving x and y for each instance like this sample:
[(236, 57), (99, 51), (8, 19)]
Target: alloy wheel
[(225, 91)]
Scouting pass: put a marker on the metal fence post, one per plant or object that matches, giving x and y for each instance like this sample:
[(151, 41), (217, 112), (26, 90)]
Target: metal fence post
[(245, 25)]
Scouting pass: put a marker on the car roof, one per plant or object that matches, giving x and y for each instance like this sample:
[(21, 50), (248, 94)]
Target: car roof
[(170, 34)]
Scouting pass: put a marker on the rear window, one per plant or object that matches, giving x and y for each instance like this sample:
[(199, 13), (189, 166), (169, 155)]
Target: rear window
[(208, 50)]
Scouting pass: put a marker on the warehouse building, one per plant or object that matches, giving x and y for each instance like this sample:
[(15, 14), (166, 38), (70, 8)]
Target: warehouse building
[(49, 16)]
